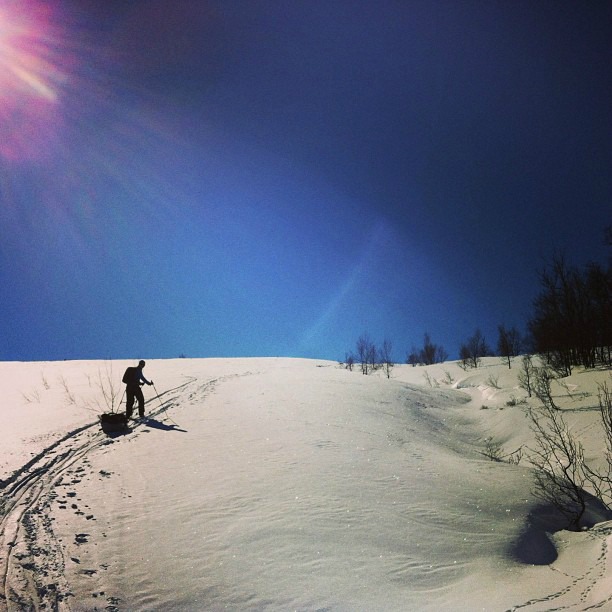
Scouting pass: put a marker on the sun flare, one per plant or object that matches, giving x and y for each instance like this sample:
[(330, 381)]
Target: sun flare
[(33, 70)]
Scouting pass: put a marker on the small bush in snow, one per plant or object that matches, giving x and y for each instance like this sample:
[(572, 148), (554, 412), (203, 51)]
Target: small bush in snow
[(67, 391), (562, 471), (493, 381), (45, 382), (34, 396), (493, 450)]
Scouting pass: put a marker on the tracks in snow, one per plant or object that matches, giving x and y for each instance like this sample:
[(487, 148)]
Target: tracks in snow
[(578, 594), (32, 559)]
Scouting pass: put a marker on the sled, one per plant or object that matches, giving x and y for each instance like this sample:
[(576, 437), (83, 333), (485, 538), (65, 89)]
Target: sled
[(112, 422)]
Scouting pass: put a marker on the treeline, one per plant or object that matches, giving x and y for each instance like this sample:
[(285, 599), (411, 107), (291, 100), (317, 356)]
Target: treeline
[(369, 357), (571, 325), (572, 320)]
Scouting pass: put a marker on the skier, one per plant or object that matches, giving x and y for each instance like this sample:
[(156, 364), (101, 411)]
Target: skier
[(134, 378)]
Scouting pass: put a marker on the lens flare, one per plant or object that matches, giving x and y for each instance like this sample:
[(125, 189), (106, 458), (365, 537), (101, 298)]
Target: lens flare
[(34, 69), (81, 148)]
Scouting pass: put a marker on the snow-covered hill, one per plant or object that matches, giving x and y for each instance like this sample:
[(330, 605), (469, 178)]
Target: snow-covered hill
[(282, 484)]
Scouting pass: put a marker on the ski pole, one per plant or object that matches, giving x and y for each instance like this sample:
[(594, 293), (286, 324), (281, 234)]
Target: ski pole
[(163, 407)]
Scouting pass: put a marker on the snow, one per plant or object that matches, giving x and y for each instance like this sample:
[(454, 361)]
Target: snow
[(288, 484)]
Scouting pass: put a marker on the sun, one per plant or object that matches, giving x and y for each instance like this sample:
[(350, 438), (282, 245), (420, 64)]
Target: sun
[(22, 64), (32, 75)]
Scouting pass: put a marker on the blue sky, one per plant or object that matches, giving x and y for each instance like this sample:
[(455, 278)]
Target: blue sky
[(253, 178)]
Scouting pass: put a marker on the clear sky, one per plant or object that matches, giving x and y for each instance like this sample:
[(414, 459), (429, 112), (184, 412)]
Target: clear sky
[(263, 177)]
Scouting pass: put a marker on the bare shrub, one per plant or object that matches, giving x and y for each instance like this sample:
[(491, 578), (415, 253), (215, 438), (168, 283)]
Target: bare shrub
[(601, 481), (32, 397), (70, 398), (516, 456), (558, 459), (109, 388), (109, 393), (493, 381), (493, 450), (514, 401), (562, 473)]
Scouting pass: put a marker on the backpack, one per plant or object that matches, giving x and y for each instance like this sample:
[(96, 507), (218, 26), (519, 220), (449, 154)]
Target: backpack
[(129, 375)]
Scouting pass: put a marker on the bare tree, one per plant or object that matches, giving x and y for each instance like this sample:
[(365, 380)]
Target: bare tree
[(571, 321), (385, 357), (473, 350), (527, 374), (413, 357), (542, 386), (373, 357), (362, 351), (430, 353), (508, 343), (366, 353)]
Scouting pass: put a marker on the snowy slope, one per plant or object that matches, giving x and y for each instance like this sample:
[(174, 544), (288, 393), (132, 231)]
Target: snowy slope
[(278, 484)]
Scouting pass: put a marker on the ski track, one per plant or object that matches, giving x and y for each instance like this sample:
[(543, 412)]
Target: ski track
[(32, 559)]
